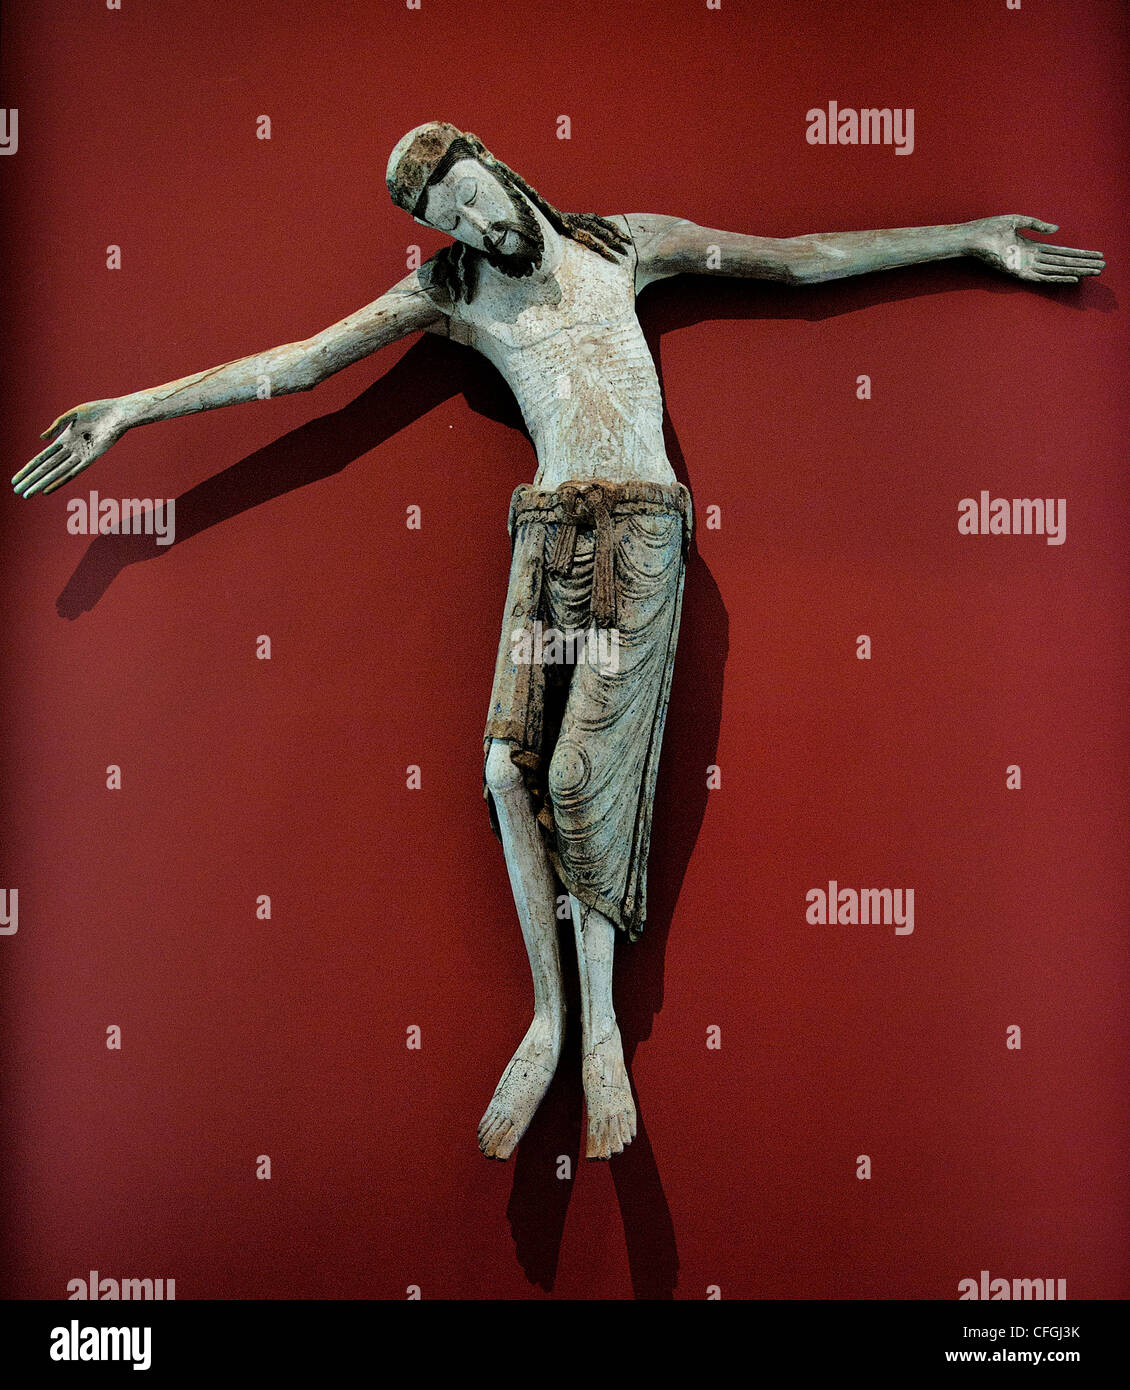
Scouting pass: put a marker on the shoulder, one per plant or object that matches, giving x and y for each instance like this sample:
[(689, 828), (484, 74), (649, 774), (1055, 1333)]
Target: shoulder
[(448, 279), (404, 308), (645, 228), (658, 239), (410, 300), (449, 276)]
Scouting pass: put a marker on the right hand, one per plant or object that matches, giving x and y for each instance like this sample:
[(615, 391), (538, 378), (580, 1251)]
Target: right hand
[(77, 438), (997, 242)]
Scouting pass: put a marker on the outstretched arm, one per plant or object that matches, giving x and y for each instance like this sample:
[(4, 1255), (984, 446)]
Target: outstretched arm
[(81, 435), (674, 246)]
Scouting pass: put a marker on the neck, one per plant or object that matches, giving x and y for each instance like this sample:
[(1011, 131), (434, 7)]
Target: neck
[(554, 248)]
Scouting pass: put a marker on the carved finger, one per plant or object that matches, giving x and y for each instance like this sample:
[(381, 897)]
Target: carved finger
[(66, 478), (64, 419), (1074, 263), (1036, 224), (1066, 268), (29, 468), (1070, 251), (1049, 279), (57, 468), (34, 481)]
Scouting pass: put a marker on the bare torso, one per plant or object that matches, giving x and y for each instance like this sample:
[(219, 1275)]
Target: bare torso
[(572, 351)]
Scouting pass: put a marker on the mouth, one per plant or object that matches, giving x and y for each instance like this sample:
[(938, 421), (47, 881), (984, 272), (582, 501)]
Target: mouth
[(503, 239), (501, 242), (512, 248)]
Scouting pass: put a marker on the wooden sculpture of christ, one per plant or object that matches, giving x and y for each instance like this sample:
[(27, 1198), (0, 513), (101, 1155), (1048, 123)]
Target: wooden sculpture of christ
[(598, 540)]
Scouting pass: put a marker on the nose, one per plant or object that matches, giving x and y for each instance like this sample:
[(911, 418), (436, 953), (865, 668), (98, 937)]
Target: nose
[(475, 219)]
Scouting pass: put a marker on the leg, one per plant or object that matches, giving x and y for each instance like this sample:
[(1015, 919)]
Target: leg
[(527, 1077), (608, 1093), (601, 781)]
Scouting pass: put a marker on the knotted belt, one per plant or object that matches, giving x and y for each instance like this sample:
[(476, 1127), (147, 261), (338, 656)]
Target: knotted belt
[(588, 507), (595, 504)]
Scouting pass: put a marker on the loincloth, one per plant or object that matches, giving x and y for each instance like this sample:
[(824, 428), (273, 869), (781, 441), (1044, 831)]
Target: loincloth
[(605, 560)]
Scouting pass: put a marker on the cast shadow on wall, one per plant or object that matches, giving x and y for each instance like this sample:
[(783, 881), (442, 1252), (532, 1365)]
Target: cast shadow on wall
[(430, 372)]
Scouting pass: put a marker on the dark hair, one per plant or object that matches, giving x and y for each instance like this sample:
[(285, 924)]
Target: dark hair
[(454, 270)]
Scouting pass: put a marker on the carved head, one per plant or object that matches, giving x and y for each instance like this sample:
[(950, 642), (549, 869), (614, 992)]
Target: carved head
[(448, 179)]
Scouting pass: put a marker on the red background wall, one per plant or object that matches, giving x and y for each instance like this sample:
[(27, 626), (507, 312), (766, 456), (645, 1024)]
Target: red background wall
[(391, 907)]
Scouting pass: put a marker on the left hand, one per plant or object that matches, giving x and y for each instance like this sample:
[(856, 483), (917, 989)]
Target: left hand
[(997, 242), (78, 437)]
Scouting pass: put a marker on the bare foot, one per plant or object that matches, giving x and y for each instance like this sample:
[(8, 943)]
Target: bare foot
[(608, 1096), (520, 1091)]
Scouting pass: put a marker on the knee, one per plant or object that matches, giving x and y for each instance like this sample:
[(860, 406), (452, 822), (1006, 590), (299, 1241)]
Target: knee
[(569, 772), (500, 774)]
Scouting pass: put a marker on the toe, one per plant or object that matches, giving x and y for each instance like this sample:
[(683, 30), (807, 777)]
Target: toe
[(495, 1139), (507, 1143), (492, 1131)]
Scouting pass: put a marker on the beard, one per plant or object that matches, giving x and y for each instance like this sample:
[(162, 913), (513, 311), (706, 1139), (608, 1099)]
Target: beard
[(526, 258)]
